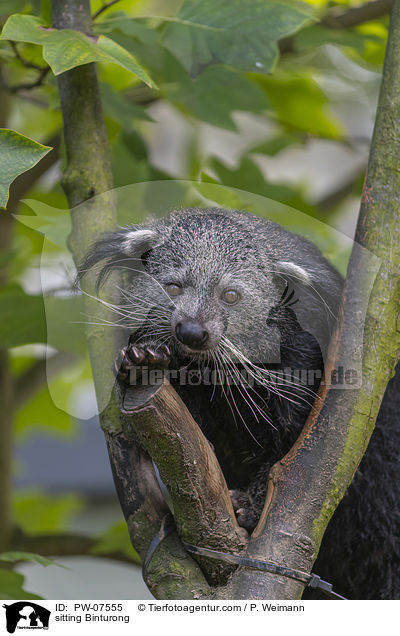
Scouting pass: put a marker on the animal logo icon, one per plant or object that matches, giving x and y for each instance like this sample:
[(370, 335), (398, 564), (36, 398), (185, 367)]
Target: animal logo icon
[(25, 614)]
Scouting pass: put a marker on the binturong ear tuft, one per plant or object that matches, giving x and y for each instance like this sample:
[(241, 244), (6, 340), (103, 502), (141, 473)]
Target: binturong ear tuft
[(122, 249), (297, 273)]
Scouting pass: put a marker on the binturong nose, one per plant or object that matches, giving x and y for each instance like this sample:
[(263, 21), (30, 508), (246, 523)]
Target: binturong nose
[(191, 333)]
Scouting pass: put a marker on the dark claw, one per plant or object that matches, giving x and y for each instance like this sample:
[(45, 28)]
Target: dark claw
[(151, 356), (136, 355), (164, 349), (122, 356), (158, 358), (164, 356), (122, 364)]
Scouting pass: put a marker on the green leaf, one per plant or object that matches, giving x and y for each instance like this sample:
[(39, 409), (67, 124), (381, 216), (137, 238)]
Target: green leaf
[(120, 109), (11, 586), (240, 33), (129, 159), (17, 155), (15, 329), (56, 230), (376, 34), (275, 145), (317, 35), (211, 96), (41, 414), (54, 320), (10, 6), (117, 54), (116, 539), (37, 513), (25, 28), (216, 93), (300, 104), (27, 556), (135, 28), (50, 410), (33, 120), (65, 49), (249, 178)]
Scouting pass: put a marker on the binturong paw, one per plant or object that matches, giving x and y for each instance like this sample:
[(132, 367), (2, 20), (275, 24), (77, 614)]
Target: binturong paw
[(246, 515), (132, 361)]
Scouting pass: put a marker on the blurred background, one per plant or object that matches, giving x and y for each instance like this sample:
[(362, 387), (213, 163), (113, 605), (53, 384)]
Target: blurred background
[(284, 120)]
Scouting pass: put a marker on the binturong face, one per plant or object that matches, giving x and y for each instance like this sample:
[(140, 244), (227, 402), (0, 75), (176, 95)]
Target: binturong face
[(207, 283), (206, 291)]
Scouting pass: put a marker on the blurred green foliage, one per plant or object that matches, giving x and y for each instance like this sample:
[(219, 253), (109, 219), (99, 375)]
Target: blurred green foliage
[(116, 539), (38, 513), (11, 586), (174, 75)]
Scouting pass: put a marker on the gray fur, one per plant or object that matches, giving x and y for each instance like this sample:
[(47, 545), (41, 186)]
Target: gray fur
[(210, 250)]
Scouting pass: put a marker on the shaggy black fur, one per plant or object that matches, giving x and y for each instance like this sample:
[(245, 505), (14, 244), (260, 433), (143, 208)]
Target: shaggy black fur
[(360, 552), (197, 249)]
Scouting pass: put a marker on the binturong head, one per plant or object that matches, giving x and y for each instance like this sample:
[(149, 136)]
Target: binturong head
[(204, 281)]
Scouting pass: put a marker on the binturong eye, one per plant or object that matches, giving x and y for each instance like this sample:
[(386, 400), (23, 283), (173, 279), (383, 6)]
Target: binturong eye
[(230, 296), (173, 289)]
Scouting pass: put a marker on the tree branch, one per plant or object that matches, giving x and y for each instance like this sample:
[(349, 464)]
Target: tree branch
[(104, 8), (203, 511), (16, 88), (88, 173), (291, 527), (355, 16), (170, 573), (337, 19), (23, 61), (337, 438)]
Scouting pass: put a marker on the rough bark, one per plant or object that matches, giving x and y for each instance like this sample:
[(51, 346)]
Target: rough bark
[(87, 173), (308, 483), (170, 573), (203, 511), (173, 574), (322, 463)]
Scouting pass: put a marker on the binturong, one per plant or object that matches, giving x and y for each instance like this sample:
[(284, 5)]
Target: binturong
[(239, 312)]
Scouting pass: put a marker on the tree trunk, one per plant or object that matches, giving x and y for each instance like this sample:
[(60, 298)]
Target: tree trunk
[(322, 463)]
